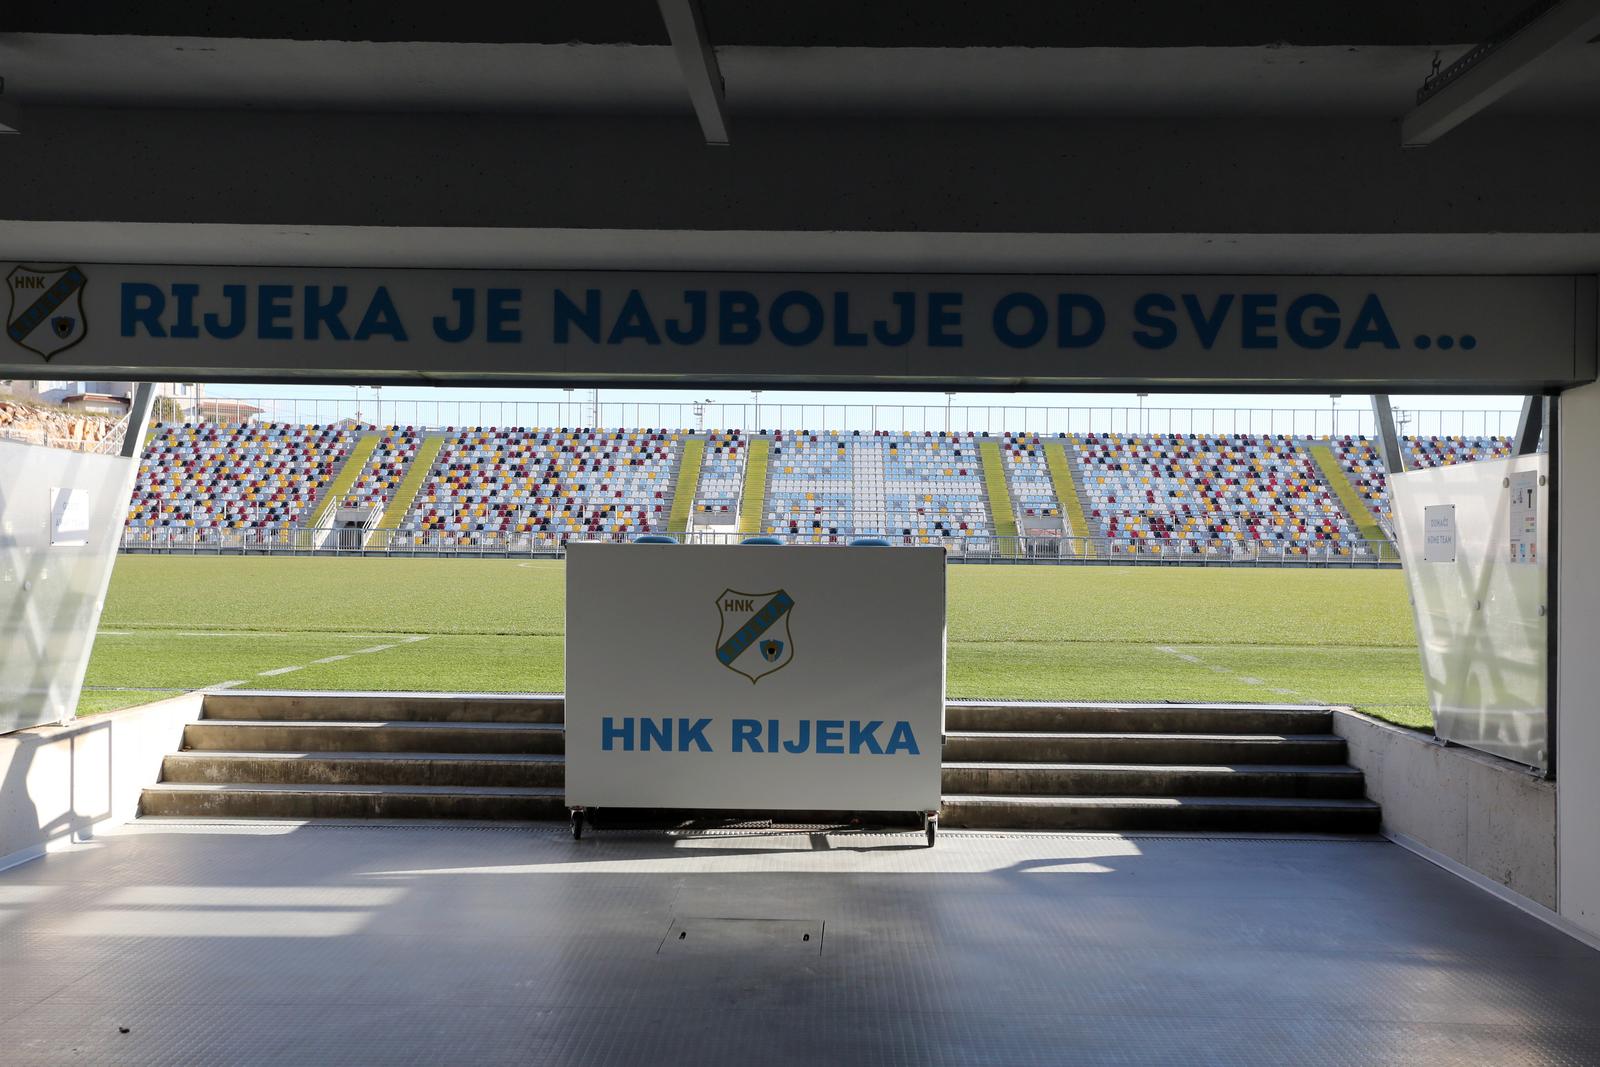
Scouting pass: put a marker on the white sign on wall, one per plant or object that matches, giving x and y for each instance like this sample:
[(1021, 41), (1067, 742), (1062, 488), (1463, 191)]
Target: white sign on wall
[(1439, 533), (69, 517), (182, 323), (754, 677), (1524, 517)]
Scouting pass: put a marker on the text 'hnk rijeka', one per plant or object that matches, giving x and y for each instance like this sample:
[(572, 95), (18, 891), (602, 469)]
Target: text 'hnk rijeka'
[(836, 737)]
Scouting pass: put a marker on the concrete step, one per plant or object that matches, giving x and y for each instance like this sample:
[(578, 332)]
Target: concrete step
[(239, 704), (1197, 749), (258, 801), (1153, 780), (484, 770), (1117, 813), (216, 735), (1136, 718)]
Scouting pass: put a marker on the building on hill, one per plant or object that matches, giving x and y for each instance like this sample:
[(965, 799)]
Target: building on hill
[(113, 398)]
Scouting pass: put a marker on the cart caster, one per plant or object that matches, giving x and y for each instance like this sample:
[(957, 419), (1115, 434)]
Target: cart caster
[(577, 824), (931, 824)]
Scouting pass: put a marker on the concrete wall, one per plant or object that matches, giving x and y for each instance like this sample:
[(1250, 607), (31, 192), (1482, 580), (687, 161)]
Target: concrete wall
[(1292, 175), (57, 783), (1485, 813)]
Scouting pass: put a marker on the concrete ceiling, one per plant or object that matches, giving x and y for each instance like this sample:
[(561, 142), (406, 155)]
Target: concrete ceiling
[(1323, 80), (1122, 135), (814, 23), (1154, 58)]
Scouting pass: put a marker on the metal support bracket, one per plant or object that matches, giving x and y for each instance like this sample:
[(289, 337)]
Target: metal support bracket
[(686, 26), (1389, 450)]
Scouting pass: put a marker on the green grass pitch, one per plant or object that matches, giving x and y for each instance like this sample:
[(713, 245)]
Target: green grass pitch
[(174, 623)]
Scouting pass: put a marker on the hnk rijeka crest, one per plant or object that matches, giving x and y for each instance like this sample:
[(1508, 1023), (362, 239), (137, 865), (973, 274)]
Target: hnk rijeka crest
[(46, 309), (754, 639)]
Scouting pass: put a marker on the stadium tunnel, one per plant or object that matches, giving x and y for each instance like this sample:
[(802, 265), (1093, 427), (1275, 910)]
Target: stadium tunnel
[(1272, 198)]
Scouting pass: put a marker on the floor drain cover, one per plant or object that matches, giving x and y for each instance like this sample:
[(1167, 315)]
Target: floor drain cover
[(738, 936)]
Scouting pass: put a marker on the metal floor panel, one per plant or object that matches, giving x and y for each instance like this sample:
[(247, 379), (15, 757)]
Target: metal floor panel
[(219, 943)]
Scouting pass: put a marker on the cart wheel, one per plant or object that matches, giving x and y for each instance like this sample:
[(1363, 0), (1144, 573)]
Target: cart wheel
[(933, 829), (577, 824)]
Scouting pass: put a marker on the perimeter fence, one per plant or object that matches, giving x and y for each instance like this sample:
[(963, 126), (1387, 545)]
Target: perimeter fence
[(1036, 548)]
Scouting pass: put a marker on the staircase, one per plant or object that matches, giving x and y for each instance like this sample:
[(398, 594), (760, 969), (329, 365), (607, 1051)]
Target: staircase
[(1080, 489), (411, 483), (1006, 766), (354, 463), (1356, 508), (1150, 767), (366, 756), (753, 498), (999, 491), (1066, 487), (686, 483)]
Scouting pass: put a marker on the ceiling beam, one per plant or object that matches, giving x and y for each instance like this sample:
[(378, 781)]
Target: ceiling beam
[(686, 26), (1490, 71), (8, 111)]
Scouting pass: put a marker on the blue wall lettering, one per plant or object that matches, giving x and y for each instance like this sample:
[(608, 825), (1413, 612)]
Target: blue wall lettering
[(1258, 313), (466, 304), (1034, 320), (778, 321), (1372, 326), (633, 323), (567, 315), (1323, 330), (1067, 307), (185, 326), (142, 304), (319, 314), (695, 332), (500, 316), (738, 317), (895, 336), (944, 320), (1151, 310), (237, 297), (381, 317), (843, 336), (272, 304)]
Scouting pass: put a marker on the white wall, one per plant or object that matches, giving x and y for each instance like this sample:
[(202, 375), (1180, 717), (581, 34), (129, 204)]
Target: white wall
[(58, 783), (1488, 814), (1577, 665)]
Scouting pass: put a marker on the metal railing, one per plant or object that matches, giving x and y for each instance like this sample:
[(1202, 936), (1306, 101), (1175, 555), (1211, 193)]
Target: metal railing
[(1042, 549), (1355, 419)]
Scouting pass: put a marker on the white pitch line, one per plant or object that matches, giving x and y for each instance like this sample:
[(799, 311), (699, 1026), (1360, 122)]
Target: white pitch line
[(273, 633), (1218, 669), (336, 659), (232, 633)]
